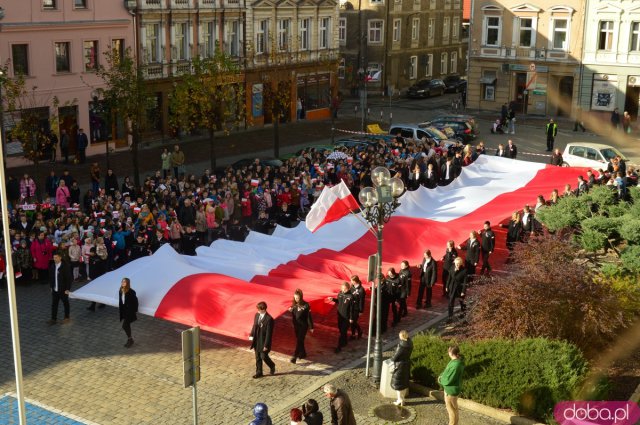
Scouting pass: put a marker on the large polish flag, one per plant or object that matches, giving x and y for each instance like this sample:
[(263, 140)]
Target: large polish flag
[(332, 204), (219, 287)]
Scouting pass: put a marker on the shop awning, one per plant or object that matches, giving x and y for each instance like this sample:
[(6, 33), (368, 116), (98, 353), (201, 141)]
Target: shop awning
[(488, 80)]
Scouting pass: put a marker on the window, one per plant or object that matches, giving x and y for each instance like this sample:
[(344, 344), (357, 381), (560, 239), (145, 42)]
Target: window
[(432, 4), (415, 29), (445, 28), (181, 41), (447, 4), (117, 44), (396, 30), (526, 32), (605, 35), (90, 55), (560, 27), (489, 85), (325, 30), (431, 28), (492, 31), (80, 4), (262, 35), (635, 37), (376, 2), (283, 34), (454, 62), (443, 63), (342, 31), (455, 28), (305, 34), (375, 31), (341, 69), (208, 39), (152, 43), (49, 4), (20, 59), (429, 65), (232, 37), (413, 70), (63, 60)]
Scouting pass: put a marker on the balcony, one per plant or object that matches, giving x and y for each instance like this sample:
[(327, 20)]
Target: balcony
[(207, 4), (181, 68), (154, 71), (152, 4), (532, 54), (181, 4)]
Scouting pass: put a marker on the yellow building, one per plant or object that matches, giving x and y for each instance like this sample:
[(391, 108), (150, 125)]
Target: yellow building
[(526, 55)]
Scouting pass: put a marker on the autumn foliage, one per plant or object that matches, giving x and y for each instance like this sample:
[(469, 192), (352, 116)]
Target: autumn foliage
[(548, 292)]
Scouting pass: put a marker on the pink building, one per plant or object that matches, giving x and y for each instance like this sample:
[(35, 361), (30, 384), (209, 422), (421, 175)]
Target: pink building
[(58, 44)]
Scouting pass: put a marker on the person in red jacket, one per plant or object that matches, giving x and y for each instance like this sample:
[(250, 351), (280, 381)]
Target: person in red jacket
[(42, 253)]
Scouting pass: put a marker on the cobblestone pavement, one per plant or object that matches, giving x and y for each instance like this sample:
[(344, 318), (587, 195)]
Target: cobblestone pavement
[(83, 369)]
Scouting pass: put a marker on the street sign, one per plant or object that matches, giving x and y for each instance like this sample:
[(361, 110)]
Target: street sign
[(191, 356), (532, 67), (372, 270)]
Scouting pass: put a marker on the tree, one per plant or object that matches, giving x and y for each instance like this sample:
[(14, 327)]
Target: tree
[(36, 118), (210, 97), (126, 95)]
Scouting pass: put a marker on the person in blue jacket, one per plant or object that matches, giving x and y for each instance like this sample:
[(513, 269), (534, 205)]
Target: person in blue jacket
[(261, 413)]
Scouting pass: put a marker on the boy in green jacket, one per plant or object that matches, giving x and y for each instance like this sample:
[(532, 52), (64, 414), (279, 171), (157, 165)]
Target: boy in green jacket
[(451, 380)]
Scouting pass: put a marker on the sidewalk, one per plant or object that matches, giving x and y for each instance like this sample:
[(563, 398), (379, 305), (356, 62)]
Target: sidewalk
[(253, 142)]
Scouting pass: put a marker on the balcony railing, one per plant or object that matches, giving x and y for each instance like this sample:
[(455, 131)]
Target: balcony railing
[(532, 54), (154, 71), (181, 4)]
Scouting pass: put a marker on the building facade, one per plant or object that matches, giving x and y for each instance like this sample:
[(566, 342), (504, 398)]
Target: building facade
[(611, 62), (527, 55), (294, 41), (58, 45), (399, 42)]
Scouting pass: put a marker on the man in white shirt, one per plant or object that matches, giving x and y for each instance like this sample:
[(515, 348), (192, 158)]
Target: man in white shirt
[(60, 281)]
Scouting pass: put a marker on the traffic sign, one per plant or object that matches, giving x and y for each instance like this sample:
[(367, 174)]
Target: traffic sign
[(191, 356)]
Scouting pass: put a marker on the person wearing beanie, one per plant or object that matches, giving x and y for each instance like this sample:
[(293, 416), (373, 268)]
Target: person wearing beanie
[(261, 414)]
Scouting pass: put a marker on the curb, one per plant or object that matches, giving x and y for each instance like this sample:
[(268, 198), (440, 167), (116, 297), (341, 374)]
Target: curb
[(305, 394), (501, 415)]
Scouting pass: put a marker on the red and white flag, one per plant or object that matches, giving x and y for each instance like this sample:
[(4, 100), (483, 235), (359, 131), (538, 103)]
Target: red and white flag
[(333, 204), (255, 182)]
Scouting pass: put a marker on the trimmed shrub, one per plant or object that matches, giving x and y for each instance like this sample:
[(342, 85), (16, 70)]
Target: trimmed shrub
[(602, 197), (528, 376), (607, 226), (568, 212), (617, 210), (630, 230), (592, 240), (631, 259)]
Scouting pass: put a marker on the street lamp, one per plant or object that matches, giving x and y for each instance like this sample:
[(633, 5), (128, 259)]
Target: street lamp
[(379, 204), (362, 77)]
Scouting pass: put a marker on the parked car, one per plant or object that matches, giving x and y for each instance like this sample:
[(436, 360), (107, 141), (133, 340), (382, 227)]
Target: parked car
[(449, 119), (462, 130), (323, 149), (454, 83), (427, 88), (416, 132), (591, 155), (356, 142)]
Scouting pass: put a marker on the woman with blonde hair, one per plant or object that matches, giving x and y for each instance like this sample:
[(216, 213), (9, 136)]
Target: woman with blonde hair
[(514, 230), (402, 367)]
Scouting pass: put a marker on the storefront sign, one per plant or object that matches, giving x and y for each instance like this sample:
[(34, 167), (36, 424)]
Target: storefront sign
[(604, 92), (529, 68)]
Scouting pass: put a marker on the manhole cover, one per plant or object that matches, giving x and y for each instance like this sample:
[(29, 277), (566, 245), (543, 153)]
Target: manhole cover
[(392, 413)]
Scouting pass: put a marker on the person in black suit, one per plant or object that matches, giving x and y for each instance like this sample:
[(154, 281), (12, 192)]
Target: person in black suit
[(128, 307), (260, 336), (405, 287), (393, 280), (345, 313), (456, 285), (447, 172), (529, 224), (302, 322), (416, 178), (502, 152), (450, 254), (60, 280), (473, 253), (82, 142), (428, 277), (487, 246), (358, 293), (514, 230), (512, 149), (430, 177)]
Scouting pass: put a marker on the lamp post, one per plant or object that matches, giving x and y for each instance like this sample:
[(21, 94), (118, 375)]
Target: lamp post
[(362, 77), (379, 204)]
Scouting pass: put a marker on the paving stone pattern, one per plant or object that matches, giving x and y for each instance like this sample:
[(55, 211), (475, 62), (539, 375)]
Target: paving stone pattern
[(82, 367)]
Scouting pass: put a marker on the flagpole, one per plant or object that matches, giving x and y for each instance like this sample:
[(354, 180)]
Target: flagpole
[(361, 220), (11, 289)]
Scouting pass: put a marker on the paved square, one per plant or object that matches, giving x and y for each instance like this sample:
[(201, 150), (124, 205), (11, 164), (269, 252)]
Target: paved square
[(36, 414)]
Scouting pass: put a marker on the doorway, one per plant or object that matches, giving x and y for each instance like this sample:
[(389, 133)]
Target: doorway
[(68, 119), (565, 96), (631, 101), (519, 98)]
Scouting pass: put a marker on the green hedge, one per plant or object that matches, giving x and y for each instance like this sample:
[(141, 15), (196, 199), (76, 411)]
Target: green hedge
[(528, 376)]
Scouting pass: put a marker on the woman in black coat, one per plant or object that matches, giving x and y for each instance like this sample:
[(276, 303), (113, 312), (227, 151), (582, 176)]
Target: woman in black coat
[(128, 306), (514, 230), (302, 322), (405, 287), (457, 285), (312, 413), (393, 280), (402, 367)]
